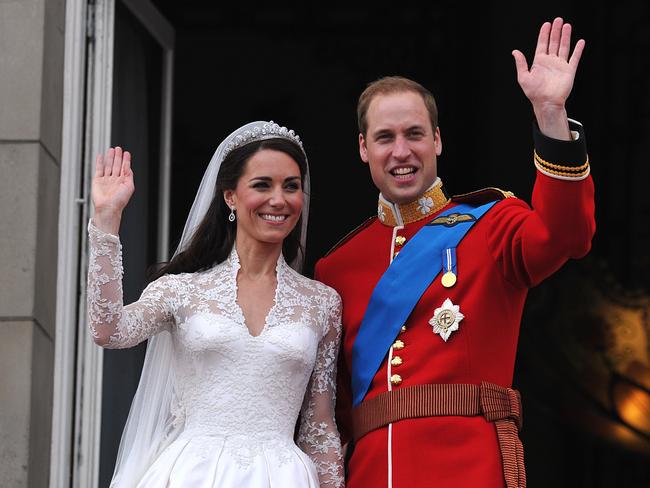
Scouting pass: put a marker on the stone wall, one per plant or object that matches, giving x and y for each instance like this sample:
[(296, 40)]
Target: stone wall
[(31, 102)]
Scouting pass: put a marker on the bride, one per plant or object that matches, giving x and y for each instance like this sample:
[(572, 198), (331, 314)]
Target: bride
[(240, 344)]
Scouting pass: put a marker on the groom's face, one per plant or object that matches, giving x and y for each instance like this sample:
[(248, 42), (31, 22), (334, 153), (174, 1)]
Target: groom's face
[(400, 146)]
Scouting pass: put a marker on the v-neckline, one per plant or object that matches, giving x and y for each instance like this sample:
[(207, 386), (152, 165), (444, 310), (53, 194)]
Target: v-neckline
[(240, 310)]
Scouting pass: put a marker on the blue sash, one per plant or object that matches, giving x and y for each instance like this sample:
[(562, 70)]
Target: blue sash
[(400, 288)]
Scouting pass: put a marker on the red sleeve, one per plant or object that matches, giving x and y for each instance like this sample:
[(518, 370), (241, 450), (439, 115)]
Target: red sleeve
[(531, 244), (343, 386)]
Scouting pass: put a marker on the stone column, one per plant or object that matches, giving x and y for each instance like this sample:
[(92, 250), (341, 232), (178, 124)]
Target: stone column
[(31, 95)]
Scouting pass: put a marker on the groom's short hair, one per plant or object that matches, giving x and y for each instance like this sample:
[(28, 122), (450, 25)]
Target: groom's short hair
[(394, 84)]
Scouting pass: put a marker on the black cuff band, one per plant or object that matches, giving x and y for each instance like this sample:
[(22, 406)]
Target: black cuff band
[(562, 159)]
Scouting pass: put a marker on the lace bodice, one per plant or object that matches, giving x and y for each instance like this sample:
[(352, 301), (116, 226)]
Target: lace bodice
[(246, 389)]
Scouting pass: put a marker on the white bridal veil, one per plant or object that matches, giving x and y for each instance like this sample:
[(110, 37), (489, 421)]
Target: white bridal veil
[(152, 423)]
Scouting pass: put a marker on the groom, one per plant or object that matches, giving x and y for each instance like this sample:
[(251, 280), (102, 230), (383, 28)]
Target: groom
[(434, 287)]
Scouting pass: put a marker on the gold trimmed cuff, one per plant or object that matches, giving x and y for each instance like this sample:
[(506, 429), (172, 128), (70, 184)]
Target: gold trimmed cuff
[(560, 171)]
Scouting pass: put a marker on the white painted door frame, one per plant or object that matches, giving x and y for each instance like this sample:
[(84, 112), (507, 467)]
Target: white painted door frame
[(68, 241)]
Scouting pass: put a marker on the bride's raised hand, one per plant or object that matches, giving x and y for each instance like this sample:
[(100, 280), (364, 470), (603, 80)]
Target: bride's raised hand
[(112, 188)]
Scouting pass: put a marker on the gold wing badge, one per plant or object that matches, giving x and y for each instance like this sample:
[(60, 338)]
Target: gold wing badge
[(452, 219)]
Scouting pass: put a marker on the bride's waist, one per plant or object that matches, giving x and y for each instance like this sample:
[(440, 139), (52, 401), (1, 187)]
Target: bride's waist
[(228, 426), (235, 436)]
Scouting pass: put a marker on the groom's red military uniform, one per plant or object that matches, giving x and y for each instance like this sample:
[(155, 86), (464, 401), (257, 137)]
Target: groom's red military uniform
[(509, 250)]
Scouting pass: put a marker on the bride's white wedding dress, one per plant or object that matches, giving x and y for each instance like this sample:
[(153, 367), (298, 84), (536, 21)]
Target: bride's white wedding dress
[(238, 395)]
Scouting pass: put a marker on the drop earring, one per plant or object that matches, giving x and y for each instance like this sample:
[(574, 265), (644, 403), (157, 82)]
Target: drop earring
[(231, 217)]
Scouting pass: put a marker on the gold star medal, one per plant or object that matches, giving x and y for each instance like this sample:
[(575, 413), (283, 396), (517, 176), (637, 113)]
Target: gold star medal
[(445, 319)]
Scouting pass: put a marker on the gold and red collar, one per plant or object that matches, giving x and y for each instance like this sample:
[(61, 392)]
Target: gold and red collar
[(393, 214)]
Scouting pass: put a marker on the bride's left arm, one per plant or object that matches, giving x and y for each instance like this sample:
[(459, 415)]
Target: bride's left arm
[(318, 435)]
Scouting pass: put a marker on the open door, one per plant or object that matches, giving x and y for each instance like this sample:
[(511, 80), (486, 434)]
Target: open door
[(138, 87), (119, 65)]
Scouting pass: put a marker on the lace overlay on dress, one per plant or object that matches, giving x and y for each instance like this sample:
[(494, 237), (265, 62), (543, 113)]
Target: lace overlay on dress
[(246, 391)]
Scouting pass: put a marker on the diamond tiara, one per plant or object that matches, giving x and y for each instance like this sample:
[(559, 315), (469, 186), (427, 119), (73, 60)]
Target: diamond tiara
[(268, 130)]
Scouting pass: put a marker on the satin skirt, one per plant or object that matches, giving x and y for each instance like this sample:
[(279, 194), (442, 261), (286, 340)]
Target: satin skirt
[(211, 462)]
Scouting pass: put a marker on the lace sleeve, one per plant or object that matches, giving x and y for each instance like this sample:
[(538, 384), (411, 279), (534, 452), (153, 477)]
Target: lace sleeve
[(111, 324), (318, 435)]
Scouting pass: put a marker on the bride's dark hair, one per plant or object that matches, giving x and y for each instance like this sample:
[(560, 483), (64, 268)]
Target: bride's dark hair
[(214, 237)]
